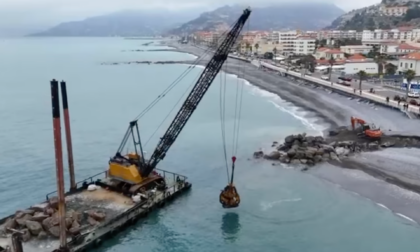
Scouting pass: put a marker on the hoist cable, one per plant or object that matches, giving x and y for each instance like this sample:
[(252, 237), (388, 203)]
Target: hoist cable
[(177, 80)]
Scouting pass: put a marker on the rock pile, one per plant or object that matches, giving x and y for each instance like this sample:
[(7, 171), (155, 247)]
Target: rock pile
[(41, 221), (309, 150)]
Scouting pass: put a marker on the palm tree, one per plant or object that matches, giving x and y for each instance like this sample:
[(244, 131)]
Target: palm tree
[(409, 75), (381, 61), (256, 47), (248, 46), (331, 61), (362, 74), (238, 47), (275, 51), (288, 61)]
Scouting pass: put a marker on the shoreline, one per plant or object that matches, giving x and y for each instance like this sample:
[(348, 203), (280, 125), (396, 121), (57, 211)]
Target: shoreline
[(335, 110), (260, 79)]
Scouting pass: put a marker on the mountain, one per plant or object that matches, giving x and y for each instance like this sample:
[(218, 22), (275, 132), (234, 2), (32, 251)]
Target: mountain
[(123, 23), (305, 16), (373, 17)]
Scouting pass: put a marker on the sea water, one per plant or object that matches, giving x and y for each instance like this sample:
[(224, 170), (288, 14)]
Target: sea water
[(282, 209)]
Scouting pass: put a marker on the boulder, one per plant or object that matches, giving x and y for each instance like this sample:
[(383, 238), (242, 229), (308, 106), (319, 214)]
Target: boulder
[(26, 235), (289, 139), (29, 211), (274, 155), (19, 214), (53, 202), (50, 222), (42, 235), (92, 221), (69, 222), (373, 146), (22, 221), (100, 216), (258, 154), (39, 217), (334, 156), (54, 231), (10, 223), (34, 227)]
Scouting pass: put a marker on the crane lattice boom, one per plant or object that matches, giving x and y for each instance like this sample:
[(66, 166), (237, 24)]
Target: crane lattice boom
[(200, 88)]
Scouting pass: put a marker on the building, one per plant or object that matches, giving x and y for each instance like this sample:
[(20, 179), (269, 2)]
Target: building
[(356, 49), (409, 62), (304, 45), (349, 34), (407, 48), (207, 38), (389, 48), (327, 53), (358, 62), (393, 10), (378, 36)]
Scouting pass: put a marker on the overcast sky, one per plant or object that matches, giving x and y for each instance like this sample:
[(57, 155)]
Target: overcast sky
[(35, 13)]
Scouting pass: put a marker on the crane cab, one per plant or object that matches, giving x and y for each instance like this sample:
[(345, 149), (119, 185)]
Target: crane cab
[(125, 168)]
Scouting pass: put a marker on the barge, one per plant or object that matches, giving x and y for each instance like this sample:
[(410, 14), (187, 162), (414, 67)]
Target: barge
[(94, 210), (97, 208)]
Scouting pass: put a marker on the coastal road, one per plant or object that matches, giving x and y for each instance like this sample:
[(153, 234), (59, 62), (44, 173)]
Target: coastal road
[(366, 86), (381, 90)]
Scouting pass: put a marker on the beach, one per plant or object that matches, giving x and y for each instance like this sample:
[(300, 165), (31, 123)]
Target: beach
[(395, 166)]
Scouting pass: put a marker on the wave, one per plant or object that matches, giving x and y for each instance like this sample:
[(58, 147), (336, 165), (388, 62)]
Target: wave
[(305, 117), (267, 205)]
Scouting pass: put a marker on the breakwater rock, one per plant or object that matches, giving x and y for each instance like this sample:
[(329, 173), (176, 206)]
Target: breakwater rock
[(42, 221), (309, 150), (339, 144)]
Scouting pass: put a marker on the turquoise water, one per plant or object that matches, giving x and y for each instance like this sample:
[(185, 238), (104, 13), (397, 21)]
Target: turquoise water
[(282, 209)]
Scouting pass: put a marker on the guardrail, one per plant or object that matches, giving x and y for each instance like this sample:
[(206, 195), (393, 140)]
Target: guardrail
[(347, 90)]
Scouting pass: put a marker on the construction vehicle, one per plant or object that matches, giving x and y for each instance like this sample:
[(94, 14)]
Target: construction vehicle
[(370, 131), (132, 173)]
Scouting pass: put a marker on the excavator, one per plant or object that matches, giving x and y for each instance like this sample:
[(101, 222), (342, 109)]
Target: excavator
[(369, 131), (131, 172)]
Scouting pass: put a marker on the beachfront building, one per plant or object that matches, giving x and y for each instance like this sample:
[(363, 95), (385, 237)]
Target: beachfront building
[(304, 45), (410, 61), (356, 49), (358, 62)]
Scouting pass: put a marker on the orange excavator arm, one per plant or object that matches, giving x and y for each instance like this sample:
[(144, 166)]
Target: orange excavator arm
[(355, 120), (371, 132)]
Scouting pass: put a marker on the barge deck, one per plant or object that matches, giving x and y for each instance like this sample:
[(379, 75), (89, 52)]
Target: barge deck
[(94, 213)]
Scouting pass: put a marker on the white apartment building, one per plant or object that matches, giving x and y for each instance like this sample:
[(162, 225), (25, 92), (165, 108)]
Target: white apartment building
[(395, 11), (353, 49), (293, 42), (350, 34), (410, 61), (377, 36), (304, 45)]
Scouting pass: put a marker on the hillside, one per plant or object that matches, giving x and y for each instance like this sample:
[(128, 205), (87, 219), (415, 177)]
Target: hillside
[(306, 16), (373, 17), (123, 23)]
